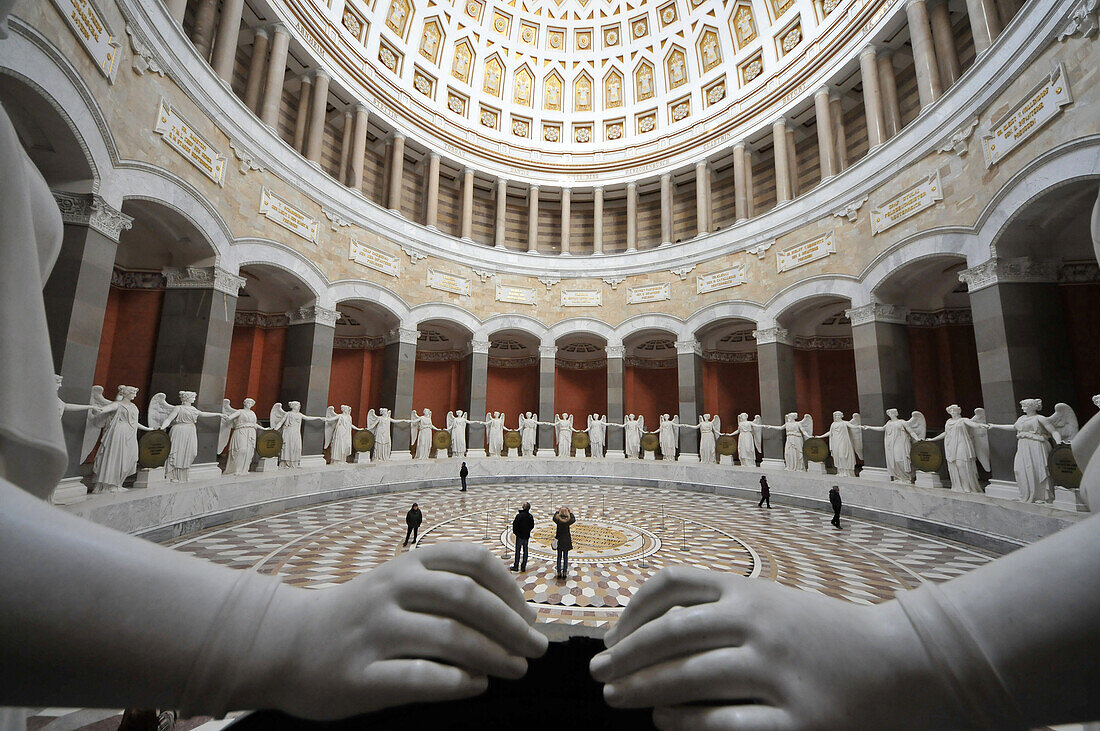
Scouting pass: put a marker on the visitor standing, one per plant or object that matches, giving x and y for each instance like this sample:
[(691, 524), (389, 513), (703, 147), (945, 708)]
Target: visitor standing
[(462, 476), (522, 525), (835, 501), (563, 541), (413, 519), (765, 493)]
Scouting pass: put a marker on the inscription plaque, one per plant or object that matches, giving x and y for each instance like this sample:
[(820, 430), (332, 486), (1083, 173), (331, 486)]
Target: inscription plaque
[(816, 449), (269, 443), (153, 449), (176, 131), (1043, 104), (720, 280), (88, 25), (515, 295), (1064, 470), (649, 293), (800, 254), (921, 196), (581, 298), (926, 456), (276, 209), (363, 441), (448, 282), (374, 259)]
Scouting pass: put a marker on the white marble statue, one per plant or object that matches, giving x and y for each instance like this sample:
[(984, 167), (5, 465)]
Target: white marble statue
[(494, 433), (289, 425), (709, 428), (62, 406), (965, 443), (597, 434), (1034, 433), (633, 428), (845, 443), (528, 433), (668, 435), (563, 433), (339, 431), (239, 427), (117, 457), (749, 433), (457, 421), (898, 438), (796, 433), (420, 433), (93, 427), (380, 426), (183, 435)]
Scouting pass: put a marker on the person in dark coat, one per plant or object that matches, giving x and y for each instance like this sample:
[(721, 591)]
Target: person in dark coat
[(413, 519), (522, 525), (563, 519), (834, 500), (765, 493), (462, 476)]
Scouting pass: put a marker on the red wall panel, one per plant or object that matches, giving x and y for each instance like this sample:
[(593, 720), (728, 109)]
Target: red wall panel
[(128, 342), (729, 389), (1081, 303), (256, 367), (580, 393), (825, 381), (650, 392), (355, 380), (944, 362), (439, 386), (512, 390)]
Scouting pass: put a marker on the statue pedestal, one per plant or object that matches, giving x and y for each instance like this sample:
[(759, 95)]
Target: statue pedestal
[(361, 458), (879, 474), (267, 464), (726, 459), (150, 477), (1003, 489), (686, 457), (1071, 500), (401, 456), (649, 456), (929, 479), (312, 460), (614, 454), (513, 452), (816, 468), (769, 463)]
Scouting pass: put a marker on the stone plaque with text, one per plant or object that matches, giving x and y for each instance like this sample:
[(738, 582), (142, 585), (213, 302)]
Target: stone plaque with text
[(515, 295), (921, 196), (179, 134), (926, 456), (815, 449), (153, 449), (448, 282), (1064, 470), (581, 298), (720, 280), (649, 293), (276, 209), (795, 256), (1043, 104), (88, 25), (374, 259)]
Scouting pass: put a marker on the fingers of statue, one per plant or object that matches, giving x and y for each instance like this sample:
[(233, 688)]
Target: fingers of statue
[(721, 718), (451, 641), (678, 633), (407, 681), (674, 586), (481, 566), (727, 674)]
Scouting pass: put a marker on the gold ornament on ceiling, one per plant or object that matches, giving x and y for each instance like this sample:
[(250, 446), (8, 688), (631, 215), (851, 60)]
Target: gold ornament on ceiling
[(522, 86), (710, 51), (494, 73), (781, 6), (644, 87), (676, 64), (791, 39), (582, 94), (463, 61), (613, 90), (430, 40), (639, 28), (398, 16), (551, 92), (744, 26)]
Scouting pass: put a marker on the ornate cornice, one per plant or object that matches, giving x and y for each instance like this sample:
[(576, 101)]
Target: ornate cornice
[(771, 335), (613, 282), (959, 140), (878, 312), (130, 279), (683, 272), (941, 318), (246, 158), (89, 209), (817, 342), (1022, 270), (649, 363), (265, 320), (527, 362), (1083, 21), (142, 60), (725, 356), (212, 277), (313, 314), (580, 365), (441, 356), (850, 210), (362, 342)]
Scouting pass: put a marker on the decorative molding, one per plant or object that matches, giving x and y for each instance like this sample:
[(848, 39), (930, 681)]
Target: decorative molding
[(362, 342), (440, 356), (878, 312), (615, 351), (683, 272), (632, 361), (336, 221), (818, 342), (414, 255), (769, 335), (527, 362), (613, 282), (959, 139), (265, 320), (403, 335), (133, 279), (143, 60), (1022, 270), (212, 277), (480, 346), (725, 356), (580, 365), (688, 347), (483, 274), (850, 210), (941, 318), (313, 314), (91, 210), (760, 249), (245, 157), (549, 281), (1079, 272), (548, 351), (1083, 21)]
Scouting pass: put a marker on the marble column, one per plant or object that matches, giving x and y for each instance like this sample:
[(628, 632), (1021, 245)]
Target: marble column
[(198, 312), (547, 371), (884, 377), (702, 203), (632, 216), (689, 377), (778, 395), (317, 117), (943, 37), (202, 32), (840, 139), (358, 148), (566, 220), (750, 188), (225, 46), (985, 24), (467, 204), (1019, 331), (929, 87), (345, 146), (76, 299), (533, 219), (615, 408), (177, 9), (307, 366), (782, 166), (477, 379), (256, 68), (301, 117), (431, 217), (826, 148), (397, 172), (501, 213), (666, 209), (891, 109), (872, 97), (792, 161), (597, 220), (740, 182), (276, 71), (398, 373)]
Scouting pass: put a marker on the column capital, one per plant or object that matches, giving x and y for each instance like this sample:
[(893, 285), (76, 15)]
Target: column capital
[(433, 155), (1020, 270), (468, 171), (565, 191), (870, 49), (597, 189), (666, 177), (91, 210), (781, 122), (313, 314), (769, 335), (349, 113), (279, 27), (319, 74), (632, 185), (404, 335), (480, 346), (548, 351), (688, 346), (878, 312), (914, 2), (212, 277), (502, 181), (397, 136), (826, 90), (615, 351), (361, 107), (261, 30), (702, 164)]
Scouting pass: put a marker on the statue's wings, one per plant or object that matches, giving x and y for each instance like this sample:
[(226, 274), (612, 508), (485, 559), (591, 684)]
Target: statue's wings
[(1065, 421), (159, 410), (717, 421), (918, 425), (569, 420), (277, 416), (414, 428), (641, 422), (226, 426), (676, 427), (450, 420), (330, 424), (372, 420), (807, 425), (980, 437), (93, 424), (758, 432), (856, 434)]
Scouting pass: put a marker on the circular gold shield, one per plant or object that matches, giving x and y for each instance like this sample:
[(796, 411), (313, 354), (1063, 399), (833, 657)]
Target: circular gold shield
[(926, 456), (580, 440), (268, 443), (441, 440), (726, 446), (1064, 470), (512, 439), (153, 448), (650, 442), (363, 441), (816, 449)]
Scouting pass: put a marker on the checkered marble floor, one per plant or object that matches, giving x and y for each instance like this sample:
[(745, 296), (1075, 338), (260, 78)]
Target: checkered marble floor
[(329, 544)]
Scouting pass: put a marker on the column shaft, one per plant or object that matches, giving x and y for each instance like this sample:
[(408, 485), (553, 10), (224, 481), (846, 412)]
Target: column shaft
[(358, 148), (502, 209), (256, 66), (884, 378), (782, 166), (778, 396), (301, 118), (276, 70), (929, 87), (750, 188), (826, 148), (792, 162), (666, 209), (547, 373), (597, 221), (225, 47), (431, 218), (985, 24), (840, 139), (631, 216), (689, 377), (566, 219), (467, 203), (317, 118), (872, 97), (397, 172), (615, 410), (533, 221), (202, 33), (891, 109), (947, 53), (345, 147), (398, 369), (477, 379), (701, 197), (307, 366)]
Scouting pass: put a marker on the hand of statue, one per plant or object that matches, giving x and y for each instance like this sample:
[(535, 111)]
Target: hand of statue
[(429, 625), (780, 658)]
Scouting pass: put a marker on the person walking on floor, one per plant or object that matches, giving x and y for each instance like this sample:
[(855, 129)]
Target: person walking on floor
[(835, 501), (413, 519), (765, 493), (563, 541), (462, 476), (522, 525)]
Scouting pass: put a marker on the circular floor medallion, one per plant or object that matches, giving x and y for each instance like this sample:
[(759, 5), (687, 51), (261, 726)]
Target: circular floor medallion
[(594, 541)]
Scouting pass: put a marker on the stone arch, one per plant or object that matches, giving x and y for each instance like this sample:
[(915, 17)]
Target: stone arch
[(581, 325), (740, 309), (828, 285), (652, 321), (272, 253), (165, 189), (351, 289), (443, 311), (925, 245), (496, 323)]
